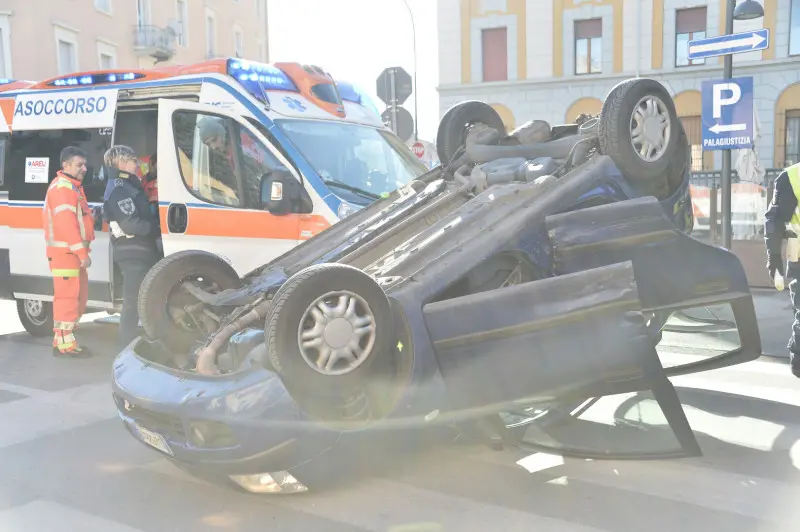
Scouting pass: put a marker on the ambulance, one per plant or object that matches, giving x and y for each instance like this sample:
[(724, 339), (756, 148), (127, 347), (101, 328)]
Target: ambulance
[(282, 119)]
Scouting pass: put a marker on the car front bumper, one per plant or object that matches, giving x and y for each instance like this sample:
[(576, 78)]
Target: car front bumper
[(234, 424)]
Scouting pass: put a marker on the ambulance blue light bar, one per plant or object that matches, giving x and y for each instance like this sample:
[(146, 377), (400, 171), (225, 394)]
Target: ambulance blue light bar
[(95, 79), (6, 81), (352, 93), (266, 77)]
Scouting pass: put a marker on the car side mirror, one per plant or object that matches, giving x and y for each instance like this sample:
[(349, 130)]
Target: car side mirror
[(280, 192)]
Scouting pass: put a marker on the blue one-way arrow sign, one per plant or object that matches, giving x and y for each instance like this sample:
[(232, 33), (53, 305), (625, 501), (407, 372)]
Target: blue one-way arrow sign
[(736, 43)]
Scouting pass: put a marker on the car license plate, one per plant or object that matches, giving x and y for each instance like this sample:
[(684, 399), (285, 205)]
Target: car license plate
[(154, 440)]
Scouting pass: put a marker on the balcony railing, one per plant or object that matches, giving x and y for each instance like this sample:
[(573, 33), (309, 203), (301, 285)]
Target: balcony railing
[(154, 41)]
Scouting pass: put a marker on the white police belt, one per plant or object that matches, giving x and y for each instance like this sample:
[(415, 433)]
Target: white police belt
[(117, 231)]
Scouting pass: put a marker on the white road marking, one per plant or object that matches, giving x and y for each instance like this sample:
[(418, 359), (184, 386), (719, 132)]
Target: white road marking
[(45, 516), (51, 413)]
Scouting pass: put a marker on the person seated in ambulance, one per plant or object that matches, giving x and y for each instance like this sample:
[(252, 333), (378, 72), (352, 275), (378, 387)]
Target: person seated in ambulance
[(150, 183), (150, 186), (208, 173)]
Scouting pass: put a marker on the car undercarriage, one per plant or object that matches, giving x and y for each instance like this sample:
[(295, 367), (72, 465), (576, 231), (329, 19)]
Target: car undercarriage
[(534, 272)]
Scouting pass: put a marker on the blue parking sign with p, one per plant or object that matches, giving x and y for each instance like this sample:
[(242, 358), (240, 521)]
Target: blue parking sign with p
[(727, 114)]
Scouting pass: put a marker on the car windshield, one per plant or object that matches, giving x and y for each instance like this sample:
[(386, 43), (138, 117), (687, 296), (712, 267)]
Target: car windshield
[(359, 163)]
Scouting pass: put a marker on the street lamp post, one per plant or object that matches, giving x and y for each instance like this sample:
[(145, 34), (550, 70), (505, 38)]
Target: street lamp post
[(747, 10), (416, 94)]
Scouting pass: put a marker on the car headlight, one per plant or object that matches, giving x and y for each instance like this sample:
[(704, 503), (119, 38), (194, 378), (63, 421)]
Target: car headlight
[(345, 210), (279, 482)]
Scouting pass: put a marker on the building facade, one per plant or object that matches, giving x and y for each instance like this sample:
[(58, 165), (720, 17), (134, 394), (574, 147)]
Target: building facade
[(555, 59), (40, 39)]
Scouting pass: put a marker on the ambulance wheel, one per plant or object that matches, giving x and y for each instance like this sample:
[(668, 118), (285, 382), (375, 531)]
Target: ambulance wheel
[(36, 316), (163, 300), (329, 329)]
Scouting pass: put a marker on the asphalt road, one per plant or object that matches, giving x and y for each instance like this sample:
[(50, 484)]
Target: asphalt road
[(68, 465)]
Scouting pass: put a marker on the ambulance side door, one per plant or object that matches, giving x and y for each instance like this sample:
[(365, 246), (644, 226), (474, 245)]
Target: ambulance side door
[(209, 192)]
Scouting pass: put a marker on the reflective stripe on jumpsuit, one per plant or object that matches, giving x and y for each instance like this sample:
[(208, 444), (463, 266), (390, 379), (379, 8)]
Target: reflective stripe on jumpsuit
[(69, 231)]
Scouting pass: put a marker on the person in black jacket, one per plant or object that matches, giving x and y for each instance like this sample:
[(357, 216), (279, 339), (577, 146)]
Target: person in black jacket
[(783, 211), (135, 230)]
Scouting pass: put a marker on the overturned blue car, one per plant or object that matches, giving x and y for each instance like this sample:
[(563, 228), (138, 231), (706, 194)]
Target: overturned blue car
[(500, 297)]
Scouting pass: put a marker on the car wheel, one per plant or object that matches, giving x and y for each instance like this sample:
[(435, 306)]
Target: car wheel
[(162, 300), (329, 327), (681, 163), (36, 316), (456, 122), (639, 129)]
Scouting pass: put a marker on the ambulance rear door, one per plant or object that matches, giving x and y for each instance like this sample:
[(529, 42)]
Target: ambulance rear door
[(43, 124), (209, 194)]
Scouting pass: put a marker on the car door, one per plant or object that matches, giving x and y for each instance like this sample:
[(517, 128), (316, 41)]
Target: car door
[(579, 363), (209, 191)]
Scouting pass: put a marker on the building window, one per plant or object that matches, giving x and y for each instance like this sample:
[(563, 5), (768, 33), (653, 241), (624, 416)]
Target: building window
[(103, 6), (183, 21), (238, 42), (262, 51), (589, 46), (66, 57), (690, 25), (5, 47), (494, 43), (701, 160), (107, 62), (143, 12), (792, 137), (211, 35), (66, 50), (794, 28), (106, 55)]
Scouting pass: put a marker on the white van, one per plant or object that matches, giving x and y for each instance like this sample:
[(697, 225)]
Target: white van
[(284, 118)]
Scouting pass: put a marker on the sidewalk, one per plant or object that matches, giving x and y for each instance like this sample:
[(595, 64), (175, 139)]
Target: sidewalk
[(774, 314)]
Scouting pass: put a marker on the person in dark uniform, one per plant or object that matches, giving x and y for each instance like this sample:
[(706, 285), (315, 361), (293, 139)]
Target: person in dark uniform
[(782, 211), (135, 230)]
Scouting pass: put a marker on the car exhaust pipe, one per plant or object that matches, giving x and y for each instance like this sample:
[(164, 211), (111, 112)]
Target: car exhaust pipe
[(207, 356)]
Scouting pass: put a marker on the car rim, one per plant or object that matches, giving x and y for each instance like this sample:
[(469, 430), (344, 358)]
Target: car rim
[(650, 128), (337, 333), (35, 311)]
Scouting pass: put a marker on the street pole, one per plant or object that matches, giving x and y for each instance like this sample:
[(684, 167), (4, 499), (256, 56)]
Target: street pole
[(726, 154), (393, 78), (416, 94)]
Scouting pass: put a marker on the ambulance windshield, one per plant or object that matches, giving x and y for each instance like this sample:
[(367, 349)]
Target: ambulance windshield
[(354, 160)]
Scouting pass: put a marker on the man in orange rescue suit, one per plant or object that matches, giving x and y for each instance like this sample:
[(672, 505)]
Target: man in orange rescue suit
[(69, 232)]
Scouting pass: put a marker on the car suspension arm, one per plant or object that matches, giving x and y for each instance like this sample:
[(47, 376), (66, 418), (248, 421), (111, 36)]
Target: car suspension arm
[(207, 356)]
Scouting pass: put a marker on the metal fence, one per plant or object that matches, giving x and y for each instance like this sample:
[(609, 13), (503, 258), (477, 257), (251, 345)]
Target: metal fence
[(713, 181)]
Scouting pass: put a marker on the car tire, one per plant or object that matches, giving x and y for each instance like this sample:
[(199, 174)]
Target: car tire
[(681, 162), (615, 130), (455, 124), (159, 286), (36, 317), (291, 315)]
